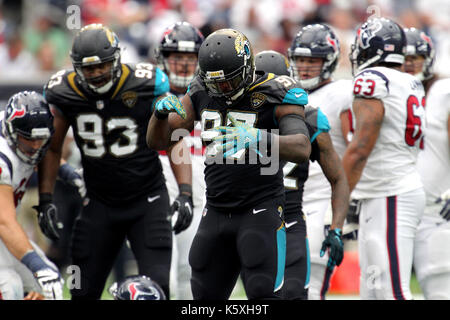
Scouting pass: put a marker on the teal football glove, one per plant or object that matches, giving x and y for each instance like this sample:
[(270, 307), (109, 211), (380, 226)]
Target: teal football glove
[(336, 253), (167, 105), (240, 136)]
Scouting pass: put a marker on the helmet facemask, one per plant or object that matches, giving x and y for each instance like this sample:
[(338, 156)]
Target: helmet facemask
[(108, 78)]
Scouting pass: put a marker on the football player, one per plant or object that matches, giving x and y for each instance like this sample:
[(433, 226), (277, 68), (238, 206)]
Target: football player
[(108, 104), (380, 161), (242, 230), (431, 254), (177, 57), (314, 55), (26, 129), (298, 268)]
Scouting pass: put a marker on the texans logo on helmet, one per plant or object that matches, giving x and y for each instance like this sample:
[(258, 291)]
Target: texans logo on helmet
[(137, 293), (16, 113), (367, 32)]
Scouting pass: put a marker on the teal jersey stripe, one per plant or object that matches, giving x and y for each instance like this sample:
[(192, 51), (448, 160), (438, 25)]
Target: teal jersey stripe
[(322, 124), (296, 96), (281, 251), (308, 265), (161, 82)]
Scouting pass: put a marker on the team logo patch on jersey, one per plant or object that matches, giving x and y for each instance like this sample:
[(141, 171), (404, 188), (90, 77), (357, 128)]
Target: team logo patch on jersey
[(129, 98), (257, 99), (100, 104), (280, 210)]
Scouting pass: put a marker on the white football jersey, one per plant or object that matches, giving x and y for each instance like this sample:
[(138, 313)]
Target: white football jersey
[(13, 171), (434, 160), (332, 99), (391, 166)]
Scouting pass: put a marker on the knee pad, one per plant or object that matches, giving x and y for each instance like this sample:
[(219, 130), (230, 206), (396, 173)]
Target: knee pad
[(11, 287), (259, 286)]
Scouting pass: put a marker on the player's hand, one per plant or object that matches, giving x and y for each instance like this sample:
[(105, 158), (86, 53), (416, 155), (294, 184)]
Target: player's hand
[(239, 136), (48, 217), (445, 199), (333, 241), (74, 177), (167, 105), (181, 211), (48, 278), (33, 295)]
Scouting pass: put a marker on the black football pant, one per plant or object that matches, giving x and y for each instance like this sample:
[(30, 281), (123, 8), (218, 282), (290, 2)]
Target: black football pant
[(297, 272), (100, 231), (249, 242)]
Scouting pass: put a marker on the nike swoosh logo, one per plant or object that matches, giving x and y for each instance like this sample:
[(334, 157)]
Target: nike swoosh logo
[(298, 95), (290, 224), (258, 211), (151, 199)]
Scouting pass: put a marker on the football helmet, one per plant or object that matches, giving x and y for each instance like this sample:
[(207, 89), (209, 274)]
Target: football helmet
[(378, 40), (227, 65), (180, 37), (28, 115), (418, 43), (271, 61), (136, 287), (317, 41), (96, 44)]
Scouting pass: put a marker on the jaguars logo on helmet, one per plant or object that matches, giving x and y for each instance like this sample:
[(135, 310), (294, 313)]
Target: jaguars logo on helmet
[(227, 66)]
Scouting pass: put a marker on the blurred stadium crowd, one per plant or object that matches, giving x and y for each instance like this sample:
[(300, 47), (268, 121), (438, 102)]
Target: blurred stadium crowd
[(35, 39)]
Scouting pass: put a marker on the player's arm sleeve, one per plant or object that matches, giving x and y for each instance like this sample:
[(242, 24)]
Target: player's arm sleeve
[(162, 85), (5, 170)]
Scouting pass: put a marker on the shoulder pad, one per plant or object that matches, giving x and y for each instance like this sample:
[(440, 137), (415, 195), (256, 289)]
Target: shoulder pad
[(280, 89), (144, 78), (61, 88), (371, 83)]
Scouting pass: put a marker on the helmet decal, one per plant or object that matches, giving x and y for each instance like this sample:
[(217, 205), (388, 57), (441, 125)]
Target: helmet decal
[(15, 113), (242, 46), (367, 32)]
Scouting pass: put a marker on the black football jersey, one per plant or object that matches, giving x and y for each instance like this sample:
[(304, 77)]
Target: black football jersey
[(110, 131), (295, 174), (238, 184)]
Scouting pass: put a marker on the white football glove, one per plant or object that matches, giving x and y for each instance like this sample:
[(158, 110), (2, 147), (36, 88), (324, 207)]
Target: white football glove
[(51, 283), (445, 199)]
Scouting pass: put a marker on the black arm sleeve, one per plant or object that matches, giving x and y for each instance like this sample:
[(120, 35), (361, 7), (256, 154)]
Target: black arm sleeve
[(293, 124)]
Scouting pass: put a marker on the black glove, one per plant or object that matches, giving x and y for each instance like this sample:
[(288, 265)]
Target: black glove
[(48, 216), (181, 211), (336, 253)]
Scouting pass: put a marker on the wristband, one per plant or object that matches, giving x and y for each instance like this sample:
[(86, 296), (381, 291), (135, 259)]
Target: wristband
[(185, 188), (33, 261), (45, 197)]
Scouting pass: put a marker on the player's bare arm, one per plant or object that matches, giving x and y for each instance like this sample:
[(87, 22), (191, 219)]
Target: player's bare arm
[(11, 233), (369, 115), (159, 131), (180, 162), (48, 167), (294, 147), (334, 172)]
